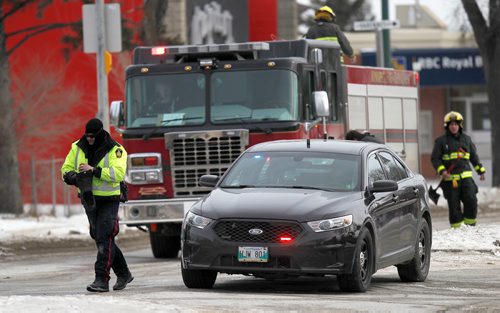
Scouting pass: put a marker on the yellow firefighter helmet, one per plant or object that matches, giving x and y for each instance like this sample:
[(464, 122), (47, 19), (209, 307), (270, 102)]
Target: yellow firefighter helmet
[(453, 116)]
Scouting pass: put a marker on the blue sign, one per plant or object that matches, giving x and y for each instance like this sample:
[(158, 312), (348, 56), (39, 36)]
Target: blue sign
[(437, 67)]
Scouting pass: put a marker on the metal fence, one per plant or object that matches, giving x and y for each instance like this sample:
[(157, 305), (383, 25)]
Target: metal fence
[(44, 191)]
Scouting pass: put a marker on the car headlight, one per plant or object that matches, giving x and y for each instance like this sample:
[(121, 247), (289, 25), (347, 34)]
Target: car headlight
[(197, 220), (331, 223)]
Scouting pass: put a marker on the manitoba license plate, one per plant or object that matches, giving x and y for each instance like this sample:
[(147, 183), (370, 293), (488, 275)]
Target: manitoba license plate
[(253, 254)]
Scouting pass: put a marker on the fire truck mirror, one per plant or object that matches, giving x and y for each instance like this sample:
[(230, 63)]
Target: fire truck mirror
[(317, 56), (116, 113), (321, 104)]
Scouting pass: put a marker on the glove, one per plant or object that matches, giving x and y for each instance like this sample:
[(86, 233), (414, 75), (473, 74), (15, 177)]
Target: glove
[(70, 178), (84, 182)]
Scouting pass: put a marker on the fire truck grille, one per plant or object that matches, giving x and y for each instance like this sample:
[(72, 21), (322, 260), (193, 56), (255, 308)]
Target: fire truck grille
[(202, 153), (198, 151), (270, 232)]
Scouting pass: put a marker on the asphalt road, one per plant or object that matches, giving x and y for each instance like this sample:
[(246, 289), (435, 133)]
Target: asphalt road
[(457, 281)]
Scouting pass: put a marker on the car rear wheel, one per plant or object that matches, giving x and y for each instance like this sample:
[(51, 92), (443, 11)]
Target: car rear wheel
[(360, 278), (418, 268), (198, 278)]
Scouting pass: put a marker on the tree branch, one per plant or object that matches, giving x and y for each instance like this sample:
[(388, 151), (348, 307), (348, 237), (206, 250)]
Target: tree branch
[(15, 8), (477, 21), (37, 30)]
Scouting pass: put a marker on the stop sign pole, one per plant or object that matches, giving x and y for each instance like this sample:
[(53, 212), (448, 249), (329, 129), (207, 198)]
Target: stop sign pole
[(101, 33)]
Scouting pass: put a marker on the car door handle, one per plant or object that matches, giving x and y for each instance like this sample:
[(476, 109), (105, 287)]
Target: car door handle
[(395, 198), (416, 191)]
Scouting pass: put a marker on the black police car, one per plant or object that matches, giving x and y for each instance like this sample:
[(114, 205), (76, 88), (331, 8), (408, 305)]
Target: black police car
[(289, 208)]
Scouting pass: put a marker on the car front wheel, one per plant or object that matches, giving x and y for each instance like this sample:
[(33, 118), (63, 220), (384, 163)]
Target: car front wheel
[(360, 278), (418, 268), (203, 279)]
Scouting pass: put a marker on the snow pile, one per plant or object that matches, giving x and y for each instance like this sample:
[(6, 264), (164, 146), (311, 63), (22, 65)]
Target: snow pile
[(42, 228), (482, 238)]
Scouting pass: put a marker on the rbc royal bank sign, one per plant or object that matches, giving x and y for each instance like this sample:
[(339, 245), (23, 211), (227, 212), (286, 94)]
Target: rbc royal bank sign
[(438, 67)]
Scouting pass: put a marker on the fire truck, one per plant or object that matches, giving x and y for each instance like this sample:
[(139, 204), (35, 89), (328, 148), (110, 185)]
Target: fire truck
[(192, 110)]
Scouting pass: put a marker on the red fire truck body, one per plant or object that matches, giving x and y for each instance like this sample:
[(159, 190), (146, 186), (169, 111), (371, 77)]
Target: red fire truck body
[(192, 110)]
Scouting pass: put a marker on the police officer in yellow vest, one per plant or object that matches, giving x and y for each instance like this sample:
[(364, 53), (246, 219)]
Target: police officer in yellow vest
[(97, 156), (326, 29), (451, 157)]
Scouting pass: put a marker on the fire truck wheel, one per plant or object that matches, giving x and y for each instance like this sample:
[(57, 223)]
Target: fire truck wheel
[(164, 246)]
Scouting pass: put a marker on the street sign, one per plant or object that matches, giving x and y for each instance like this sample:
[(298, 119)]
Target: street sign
[(113, 28), (375, 25)]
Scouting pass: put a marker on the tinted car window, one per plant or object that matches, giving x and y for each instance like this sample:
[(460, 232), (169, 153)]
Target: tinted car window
[(402, 170), (375, 171), (389, 164), (328, 171)]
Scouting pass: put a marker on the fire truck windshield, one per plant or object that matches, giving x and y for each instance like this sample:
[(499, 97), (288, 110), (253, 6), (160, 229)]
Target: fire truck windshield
[(180, 99), (254, 96)]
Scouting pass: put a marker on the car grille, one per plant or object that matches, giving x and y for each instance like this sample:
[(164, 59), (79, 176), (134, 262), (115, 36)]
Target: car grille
[(238, 231), (274, 262), (194, 154)]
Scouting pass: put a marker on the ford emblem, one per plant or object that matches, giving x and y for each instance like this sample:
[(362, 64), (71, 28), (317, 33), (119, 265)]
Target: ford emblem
[(255, 231)]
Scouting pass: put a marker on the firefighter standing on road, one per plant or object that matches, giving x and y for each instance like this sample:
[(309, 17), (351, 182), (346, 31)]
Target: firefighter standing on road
[(326, 29), (456, 150), (104, 162)]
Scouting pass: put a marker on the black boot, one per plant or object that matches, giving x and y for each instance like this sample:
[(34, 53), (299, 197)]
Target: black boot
[(122, 281), (99, 285)]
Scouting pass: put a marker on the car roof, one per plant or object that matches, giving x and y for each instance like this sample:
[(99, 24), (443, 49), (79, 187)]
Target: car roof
[(316, 145)]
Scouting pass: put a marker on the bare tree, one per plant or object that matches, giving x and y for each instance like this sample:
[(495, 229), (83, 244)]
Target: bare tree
[(487, 33), (154, 28), (40, 91), (23, 113)]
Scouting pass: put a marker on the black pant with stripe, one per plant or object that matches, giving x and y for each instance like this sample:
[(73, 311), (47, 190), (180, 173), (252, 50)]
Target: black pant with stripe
[(464, 193), (103, 229)]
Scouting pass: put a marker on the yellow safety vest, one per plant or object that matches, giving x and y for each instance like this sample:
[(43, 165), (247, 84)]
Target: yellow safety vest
[(113, 165)]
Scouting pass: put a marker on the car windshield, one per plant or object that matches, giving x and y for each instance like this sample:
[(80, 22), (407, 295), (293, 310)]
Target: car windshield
[(318, 170), (253, 96)]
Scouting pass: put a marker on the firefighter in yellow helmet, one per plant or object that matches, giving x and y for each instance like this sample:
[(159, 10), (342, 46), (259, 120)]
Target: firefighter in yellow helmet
[(326, 29), (451, 157)]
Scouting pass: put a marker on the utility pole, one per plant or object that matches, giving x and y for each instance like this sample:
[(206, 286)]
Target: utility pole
[(102, 78), (386, 39)]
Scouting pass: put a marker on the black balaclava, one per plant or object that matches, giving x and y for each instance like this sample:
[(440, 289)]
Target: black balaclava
[(94, 126)]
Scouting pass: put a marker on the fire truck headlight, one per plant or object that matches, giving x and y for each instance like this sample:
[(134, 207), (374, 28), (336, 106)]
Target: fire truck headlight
[(138, 177), (144, 168), (152, 176), (146, 177)]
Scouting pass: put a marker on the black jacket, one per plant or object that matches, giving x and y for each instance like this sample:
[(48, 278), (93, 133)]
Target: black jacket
[(326, 29), (370, 138), (446, 145)]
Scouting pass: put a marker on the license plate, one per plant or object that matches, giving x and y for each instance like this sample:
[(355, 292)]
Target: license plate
[(253, 254)]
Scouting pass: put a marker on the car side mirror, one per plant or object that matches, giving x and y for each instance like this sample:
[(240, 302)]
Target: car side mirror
[(116, 114), (383, 186), (209, 180)]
